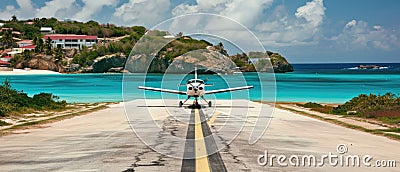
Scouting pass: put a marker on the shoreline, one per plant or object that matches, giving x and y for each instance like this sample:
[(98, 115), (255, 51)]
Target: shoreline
[(28, 72)]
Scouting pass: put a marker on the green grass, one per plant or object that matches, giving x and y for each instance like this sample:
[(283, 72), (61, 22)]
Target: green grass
[(351, 126), (393, 136), (318, 107), (311, 105), (389, 120), (395, 130), (49, 120), (368, 114)]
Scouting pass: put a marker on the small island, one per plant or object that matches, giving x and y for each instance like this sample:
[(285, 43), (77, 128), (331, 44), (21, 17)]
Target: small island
[(369, 67)]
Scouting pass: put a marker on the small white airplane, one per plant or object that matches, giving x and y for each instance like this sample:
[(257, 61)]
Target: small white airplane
[(195, 88)]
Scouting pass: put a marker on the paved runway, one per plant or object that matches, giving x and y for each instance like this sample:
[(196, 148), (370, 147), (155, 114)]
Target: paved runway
[(104, 141), (199, 152)]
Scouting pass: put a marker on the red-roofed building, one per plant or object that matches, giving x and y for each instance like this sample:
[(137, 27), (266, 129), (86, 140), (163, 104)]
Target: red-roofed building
[(24, 43), (71, 40), (4, 64), (6, 28), (16, 33), (28, 47), (6, 59), (4, 51)]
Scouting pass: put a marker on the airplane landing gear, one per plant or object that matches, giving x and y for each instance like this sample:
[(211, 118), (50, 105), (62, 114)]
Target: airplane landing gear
[(196, 104), (208, 102), (180, 104)]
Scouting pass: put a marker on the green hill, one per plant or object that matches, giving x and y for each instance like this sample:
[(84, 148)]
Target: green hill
[(111, 55)]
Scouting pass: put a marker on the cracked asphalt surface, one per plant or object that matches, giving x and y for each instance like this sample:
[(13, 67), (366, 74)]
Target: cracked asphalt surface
[(104, 141)]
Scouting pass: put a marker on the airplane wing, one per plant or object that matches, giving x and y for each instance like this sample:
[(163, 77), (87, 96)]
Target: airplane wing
[(228, 90), (162, 90)]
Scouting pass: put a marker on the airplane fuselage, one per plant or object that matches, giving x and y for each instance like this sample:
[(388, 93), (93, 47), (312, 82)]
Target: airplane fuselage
[(195, 88)]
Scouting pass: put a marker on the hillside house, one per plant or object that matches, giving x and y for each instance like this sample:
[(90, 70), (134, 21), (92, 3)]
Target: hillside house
[(69, 41)]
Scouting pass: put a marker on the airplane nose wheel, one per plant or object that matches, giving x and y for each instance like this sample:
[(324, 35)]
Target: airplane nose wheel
[(196, 104)]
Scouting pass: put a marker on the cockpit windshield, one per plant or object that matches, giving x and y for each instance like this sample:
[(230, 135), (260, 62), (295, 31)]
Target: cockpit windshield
[(195, 81)]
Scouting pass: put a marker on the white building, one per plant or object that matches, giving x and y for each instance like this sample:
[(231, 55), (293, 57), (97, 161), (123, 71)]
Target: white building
[(71, 40), (47, 30)]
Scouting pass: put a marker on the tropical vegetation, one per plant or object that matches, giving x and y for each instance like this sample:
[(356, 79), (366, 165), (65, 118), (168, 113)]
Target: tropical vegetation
[(31, 28), (385, 108), (14, 102)]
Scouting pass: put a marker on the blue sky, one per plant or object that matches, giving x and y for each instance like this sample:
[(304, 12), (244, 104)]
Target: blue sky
[(304, 31)]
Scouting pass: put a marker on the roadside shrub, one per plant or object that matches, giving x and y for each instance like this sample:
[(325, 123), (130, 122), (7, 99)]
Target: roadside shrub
[(13, 101), (371, 105), (312, 105)]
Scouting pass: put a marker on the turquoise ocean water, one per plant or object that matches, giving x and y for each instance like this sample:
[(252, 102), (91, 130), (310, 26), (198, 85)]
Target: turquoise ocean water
[(330, 83)]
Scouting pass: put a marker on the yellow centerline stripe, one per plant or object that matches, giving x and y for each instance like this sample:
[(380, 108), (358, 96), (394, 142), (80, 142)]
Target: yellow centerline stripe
[(211, 121), (200, 146)]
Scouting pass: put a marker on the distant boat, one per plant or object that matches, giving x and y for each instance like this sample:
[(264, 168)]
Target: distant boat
[(369, 67)]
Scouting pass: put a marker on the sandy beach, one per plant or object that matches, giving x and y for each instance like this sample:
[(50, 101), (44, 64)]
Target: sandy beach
[(27, 72), (104, 141)]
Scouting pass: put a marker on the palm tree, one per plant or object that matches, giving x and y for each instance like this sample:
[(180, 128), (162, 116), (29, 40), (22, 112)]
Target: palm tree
[(47, 46), (8, 39), (39, 45), (59, 54), (14, 18)]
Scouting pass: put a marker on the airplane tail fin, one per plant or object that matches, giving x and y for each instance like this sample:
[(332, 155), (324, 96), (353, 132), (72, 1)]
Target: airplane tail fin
[(195, 72)]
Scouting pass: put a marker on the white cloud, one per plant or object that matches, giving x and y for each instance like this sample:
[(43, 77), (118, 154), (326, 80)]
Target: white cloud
[(351, 24), (243, 11), (10, 7), (359, 35), (313, 12), (7, 13), (378, 27), (142, 12), (26, 8), (246, 12), (92, 7), (184, 9), (302, 28), (57, 8)]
